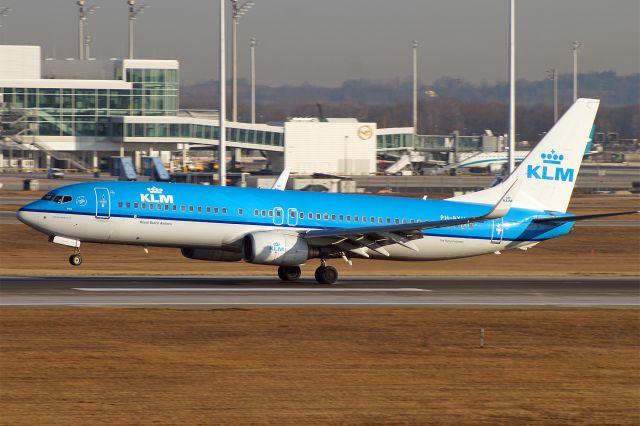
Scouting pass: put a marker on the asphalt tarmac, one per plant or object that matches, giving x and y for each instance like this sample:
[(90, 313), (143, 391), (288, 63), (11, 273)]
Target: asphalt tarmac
[(198, 292)]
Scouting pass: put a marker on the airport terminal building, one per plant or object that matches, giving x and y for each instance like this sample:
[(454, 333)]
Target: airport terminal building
[(81, 112)]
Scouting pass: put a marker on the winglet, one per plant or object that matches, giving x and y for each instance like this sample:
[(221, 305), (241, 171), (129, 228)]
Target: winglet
[(281, 183), (503, 206)]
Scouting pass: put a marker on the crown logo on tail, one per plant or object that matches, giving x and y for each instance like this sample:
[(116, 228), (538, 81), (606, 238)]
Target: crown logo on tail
[(552, 157)]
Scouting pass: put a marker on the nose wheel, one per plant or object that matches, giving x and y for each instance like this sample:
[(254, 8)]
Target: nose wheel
[(75, 259)]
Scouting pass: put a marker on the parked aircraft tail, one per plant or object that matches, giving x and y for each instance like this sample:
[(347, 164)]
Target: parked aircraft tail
[(548, 174)]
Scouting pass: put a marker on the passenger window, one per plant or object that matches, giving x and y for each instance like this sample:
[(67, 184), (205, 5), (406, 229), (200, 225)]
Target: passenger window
[(256, 212), (190, 208), (348, 218), (224, 210), (318, 216), (159, 206), (388, 220), (263, 213), (333, 217), (310, 215), (166, 206), (144, 206), (120, 204), (341, 217), (152, 206), (199, 209), (240, 212), (183, 208), (270, 213), (326, 216), (379, 220), (301, 215), (397, 220), (216, 210), (404, 220), (135, 205), (364, 219), (128, 205), (208, 209), (412, 221), (174, 207), (356, 218)]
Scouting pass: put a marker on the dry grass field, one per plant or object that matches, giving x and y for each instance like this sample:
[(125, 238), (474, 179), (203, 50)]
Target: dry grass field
[(319, 366)]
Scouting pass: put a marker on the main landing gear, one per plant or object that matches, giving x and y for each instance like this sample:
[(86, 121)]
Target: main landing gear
[(289, 273), (324, 274)]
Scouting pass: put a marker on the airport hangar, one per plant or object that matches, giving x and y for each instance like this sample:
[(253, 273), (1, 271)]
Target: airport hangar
[(80, 112)]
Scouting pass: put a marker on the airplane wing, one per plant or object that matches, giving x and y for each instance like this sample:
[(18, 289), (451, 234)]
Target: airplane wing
[(374, 238), (576, 218)]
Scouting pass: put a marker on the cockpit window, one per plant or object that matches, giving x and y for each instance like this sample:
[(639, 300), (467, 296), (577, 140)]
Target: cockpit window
[(60, 199)]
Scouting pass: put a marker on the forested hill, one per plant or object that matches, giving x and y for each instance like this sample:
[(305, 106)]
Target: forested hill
[(612, 89)]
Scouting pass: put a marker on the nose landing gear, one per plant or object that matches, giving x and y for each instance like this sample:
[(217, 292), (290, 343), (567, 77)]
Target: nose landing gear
[(75, 259)]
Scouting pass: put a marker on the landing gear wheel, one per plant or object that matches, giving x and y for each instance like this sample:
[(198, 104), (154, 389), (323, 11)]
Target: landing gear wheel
[(289, 273), (326, 275), (75, 259)]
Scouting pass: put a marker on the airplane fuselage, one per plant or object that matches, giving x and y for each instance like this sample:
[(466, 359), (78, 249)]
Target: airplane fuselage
[(197, 216)]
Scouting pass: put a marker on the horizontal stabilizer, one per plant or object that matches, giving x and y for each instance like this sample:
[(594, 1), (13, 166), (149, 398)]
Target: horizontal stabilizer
[(580, 217)]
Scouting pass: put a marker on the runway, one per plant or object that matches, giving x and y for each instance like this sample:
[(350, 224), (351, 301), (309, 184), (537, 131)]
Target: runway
[(351, 291)]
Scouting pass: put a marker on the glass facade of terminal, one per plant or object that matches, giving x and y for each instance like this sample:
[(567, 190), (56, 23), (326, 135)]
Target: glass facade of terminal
[(200, 131), (402, 140), (87, 112)]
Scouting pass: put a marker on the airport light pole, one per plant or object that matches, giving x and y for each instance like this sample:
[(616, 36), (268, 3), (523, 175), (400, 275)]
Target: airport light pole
[(87, 46), (222, 152), (512, 87), (552, 74), (82, 22), (4, 12), (252, 44), (575, 47), (133, 14), (237, 12), (415, 45)]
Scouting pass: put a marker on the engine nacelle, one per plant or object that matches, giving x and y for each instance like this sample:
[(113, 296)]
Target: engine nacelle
[(211, 255), (276, 248)]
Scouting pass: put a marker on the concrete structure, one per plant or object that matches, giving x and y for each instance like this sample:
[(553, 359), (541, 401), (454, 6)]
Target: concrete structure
[(335, 146)]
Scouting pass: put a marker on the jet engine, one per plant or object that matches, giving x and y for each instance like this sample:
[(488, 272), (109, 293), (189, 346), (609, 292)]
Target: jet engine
[(276, 248), (212, 255)]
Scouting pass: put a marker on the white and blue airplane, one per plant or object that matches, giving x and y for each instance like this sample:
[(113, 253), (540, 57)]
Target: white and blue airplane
[(288, 228)]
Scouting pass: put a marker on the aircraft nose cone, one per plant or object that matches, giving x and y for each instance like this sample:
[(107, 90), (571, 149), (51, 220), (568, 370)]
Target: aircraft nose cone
[(25, 216)]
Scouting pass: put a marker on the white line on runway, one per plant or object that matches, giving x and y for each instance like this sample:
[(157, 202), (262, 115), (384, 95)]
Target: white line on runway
[(252, 290), (97, 304)]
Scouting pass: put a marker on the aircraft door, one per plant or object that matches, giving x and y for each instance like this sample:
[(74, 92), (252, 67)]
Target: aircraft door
[(278, 216), (497, 231), (292, 217), (103, 203)]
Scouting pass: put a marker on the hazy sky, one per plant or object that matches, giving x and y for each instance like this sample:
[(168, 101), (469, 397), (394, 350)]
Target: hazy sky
[(325, 42)]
